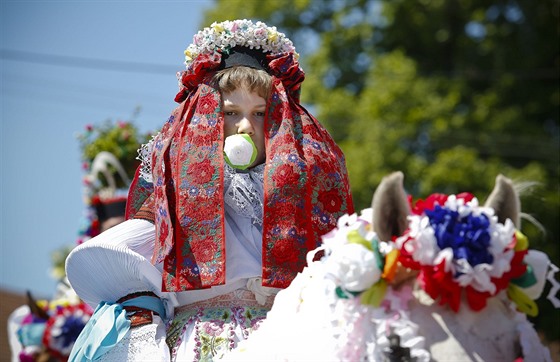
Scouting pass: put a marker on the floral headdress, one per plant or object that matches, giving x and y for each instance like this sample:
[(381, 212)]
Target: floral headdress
[(306, 184), (220, 38)]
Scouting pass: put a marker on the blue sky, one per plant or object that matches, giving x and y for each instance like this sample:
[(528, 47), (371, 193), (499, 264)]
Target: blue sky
[(66, 64)]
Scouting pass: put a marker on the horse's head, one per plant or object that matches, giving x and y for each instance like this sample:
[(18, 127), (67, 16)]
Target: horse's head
[(391, 205), (458, 247)]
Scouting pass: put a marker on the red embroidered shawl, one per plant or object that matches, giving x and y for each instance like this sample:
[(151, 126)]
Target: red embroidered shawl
[(305, 182)]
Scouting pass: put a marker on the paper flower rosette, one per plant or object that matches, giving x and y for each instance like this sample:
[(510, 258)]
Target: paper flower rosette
[(460, 248), (239, 151), (64, 326), (67, 317), (358, 262)]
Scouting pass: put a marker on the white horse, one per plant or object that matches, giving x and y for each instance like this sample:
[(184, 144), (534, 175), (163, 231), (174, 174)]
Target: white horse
[(498, 331), (443, 280)]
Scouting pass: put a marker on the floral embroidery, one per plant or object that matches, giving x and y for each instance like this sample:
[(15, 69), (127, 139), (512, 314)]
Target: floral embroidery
[(217, 328), (188, 174), (285, 174), (203, 170), (331, 200)]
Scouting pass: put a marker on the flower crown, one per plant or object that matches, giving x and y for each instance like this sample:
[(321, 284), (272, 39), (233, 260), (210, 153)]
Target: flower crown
[(459, 246), (220, 38)]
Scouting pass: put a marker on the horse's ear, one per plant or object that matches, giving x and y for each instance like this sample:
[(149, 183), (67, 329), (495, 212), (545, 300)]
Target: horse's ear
[(36, 310), (390, 207), (504, 199)]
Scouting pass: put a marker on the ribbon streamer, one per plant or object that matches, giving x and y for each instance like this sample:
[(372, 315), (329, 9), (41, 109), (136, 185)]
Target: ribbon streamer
[(107, 327)]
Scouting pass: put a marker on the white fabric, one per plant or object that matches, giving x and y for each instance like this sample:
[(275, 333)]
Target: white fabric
[(15, 320), (244, 192), (117, 262), (144, 343), (145, 158), (317, 325), (486, 335)]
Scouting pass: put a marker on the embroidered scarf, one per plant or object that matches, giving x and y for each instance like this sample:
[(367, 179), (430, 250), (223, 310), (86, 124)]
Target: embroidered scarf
[(306, 185)]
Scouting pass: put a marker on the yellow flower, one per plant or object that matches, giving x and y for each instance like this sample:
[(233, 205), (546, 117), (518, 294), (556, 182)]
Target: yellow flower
[(188, 55), (218, 27), (272, 35), (522, 241)]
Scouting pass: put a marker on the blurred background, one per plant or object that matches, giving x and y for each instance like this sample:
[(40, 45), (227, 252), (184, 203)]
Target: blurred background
[(450, 92)]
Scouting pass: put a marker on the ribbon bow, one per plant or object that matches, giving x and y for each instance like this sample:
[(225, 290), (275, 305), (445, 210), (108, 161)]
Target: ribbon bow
[(107, 327)]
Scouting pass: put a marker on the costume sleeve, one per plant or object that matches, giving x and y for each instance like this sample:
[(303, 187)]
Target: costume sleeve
[(116, 264)]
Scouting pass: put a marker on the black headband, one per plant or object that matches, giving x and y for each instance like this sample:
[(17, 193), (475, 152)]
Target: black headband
[(247, 57)]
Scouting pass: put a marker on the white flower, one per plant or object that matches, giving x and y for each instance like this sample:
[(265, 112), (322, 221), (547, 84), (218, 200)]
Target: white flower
[(229, 34), (240, 150), (354, 267), (423, 246)]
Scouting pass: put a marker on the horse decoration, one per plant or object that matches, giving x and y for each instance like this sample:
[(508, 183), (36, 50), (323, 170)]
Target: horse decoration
[(442, 279), (45, 331)]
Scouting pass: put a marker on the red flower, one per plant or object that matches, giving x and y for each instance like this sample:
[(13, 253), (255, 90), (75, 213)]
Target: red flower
[(163, 232), (197, 210), (203, 138), (331, 200), (283, 209), (285, 250), (204, 250), (517, 269), (405, 258), (207, 103), (202, 171), (477, 300), (429, 203), (465, 196), (285, 175), (440, 285)]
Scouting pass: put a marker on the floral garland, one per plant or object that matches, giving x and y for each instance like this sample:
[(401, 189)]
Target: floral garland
[(459, 246), (220, 38)]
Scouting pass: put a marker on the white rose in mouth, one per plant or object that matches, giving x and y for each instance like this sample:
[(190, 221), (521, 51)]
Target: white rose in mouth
[(240, 151)]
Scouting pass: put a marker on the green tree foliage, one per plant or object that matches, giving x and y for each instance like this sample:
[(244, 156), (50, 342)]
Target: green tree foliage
[(450, 92), (121, 138)]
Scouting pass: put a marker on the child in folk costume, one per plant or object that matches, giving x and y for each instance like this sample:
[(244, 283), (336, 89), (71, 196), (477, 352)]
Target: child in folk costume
[(237, 187)]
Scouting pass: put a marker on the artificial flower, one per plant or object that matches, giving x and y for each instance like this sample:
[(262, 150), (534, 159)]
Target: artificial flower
[(240, 151), (459, 246), (222, 37)]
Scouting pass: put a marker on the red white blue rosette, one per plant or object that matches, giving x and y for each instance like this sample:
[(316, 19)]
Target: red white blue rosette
[(460, 247)]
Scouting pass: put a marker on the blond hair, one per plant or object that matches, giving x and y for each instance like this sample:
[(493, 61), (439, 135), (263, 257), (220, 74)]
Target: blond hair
[(240, 77)]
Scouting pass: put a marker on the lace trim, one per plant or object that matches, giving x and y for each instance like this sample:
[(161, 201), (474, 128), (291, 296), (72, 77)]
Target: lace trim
[(140, 344), (242, 194), (145, 157)]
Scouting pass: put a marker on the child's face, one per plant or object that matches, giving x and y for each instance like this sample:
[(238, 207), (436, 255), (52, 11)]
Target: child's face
[(244, 113)]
